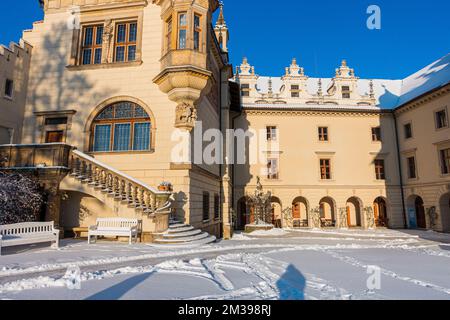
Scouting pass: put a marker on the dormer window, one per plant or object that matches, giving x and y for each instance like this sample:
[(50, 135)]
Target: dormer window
[(345, 92), (245, 90), (295, 91), (182, 30)]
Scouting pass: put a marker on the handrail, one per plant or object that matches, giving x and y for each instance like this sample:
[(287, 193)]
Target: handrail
[(118, 184), (115, 171)]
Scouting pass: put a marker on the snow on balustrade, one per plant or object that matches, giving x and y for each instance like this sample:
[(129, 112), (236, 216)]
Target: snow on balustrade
[(117, 184)]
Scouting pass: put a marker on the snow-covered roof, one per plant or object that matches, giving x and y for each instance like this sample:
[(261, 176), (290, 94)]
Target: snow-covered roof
[(390, 94), (431, 77), (386, 91)]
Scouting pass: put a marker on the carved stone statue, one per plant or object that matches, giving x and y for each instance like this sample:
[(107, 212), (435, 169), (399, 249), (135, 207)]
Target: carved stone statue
[(343, 218), (186, 115), (108, 32), (287, 216), (315, 217), (432, 215), (370, 218)]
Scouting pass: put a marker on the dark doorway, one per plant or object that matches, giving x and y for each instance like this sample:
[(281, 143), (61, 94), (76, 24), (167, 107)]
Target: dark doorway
[(380, 212), (420, 213)]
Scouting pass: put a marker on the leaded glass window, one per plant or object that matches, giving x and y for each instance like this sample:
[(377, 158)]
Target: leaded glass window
[(126, 42), (121, 127), (91, 51)]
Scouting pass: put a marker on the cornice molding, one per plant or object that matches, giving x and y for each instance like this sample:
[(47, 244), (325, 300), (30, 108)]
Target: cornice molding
[(427, 97)]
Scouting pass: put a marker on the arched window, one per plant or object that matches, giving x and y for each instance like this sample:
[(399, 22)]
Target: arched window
[(121, 127)]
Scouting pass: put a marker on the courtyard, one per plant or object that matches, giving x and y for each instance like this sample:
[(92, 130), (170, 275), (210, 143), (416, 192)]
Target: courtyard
[(276, 265)]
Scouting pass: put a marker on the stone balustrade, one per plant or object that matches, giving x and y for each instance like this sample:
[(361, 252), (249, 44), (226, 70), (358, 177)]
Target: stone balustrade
[(118, 185)]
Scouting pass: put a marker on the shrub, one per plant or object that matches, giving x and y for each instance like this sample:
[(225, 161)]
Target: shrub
[(21, 199)]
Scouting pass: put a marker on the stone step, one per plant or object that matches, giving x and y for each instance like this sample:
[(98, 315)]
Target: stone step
[(200, 236), (178, 225), (195, 243), (181, 229), (183, 234)]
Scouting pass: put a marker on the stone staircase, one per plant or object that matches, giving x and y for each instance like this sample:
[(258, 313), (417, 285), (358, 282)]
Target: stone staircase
[(181, 235), (124, 195)]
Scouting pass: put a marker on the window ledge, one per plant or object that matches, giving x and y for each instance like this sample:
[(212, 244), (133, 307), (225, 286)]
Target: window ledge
[(104, 66), (91, 153)]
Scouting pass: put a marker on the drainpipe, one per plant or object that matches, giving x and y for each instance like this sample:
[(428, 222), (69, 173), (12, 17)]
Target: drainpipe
[(405, 223), (221, 164)]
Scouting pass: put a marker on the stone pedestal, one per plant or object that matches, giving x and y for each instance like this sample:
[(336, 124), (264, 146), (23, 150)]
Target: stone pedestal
[(255, 227)]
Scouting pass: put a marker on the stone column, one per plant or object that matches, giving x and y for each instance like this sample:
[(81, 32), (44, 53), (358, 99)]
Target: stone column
[(53, 212)]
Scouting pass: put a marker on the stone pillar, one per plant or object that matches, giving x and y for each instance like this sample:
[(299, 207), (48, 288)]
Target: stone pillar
[(226, 209), (53, 212)]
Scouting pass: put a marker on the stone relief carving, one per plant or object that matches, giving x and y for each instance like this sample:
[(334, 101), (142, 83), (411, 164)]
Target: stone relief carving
[(108, 31), (370, 218), (432, 215), (186, 115), (315, 217), (343, 218)]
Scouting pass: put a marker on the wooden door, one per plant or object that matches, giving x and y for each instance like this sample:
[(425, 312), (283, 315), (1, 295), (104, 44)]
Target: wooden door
[(54, 136), (376, 213), (349, 220), (296, 213), (252, 215)]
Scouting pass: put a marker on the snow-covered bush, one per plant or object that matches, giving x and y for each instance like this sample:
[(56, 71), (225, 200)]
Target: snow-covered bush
[(21, 199)]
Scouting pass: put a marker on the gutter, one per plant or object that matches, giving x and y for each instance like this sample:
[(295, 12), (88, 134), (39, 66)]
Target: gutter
[(405, 223)]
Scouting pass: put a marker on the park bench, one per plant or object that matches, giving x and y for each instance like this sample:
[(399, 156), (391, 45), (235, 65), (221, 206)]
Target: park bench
[(114, 227), (28, 233)]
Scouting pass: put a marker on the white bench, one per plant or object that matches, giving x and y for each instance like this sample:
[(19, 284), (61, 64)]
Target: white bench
[(114, 227), (28, 233)]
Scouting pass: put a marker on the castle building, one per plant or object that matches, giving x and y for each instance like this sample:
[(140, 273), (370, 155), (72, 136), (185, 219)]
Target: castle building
[(113, 95), (14, 68)]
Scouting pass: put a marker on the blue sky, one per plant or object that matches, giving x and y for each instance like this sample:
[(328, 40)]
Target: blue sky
[(318, 33)]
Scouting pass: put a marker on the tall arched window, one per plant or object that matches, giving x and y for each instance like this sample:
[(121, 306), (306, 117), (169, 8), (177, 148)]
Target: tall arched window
[(120, 127)]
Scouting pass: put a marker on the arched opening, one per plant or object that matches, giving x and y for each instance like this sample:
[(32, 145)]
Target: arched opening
[(444, 205), (277, 214), (354, 210), (122, 126), (416, 212), (327, 212), (380, 212), (300, 216)]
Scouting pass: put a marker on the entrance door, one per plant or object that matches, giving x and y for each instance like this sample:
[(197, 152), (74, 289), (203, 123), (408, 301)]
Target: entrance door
[(349, 219), (296, 214), (54, 136), (420, 214), (380, 212)]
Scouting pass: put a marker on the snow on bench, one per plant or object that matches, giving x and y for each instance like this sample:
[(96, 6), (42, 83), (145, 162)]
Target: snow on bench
[(28, 233), (117, 227)]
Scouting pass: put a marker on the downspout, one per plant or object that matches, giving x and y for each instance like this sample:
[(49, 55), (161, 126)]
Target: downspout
[(233, 169), (405, 223), (222, 158)]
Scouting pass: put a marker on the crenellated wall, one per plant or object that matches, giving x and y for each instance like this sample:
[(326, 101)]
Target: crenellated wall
[(14, 66)]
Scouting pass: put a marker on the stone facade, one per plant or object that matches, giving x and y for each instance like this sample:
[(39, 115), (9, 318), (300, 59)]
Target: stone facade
[(337, 156), (14, 68)]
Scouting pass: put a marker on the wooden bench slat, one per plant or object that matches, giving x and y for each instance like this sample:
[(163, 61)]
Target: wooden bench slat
[(28, 233)]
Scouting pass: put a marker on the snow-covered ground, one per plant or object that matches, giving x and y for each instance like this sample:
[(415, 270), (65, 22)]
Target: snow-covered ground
[(278, 264)]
